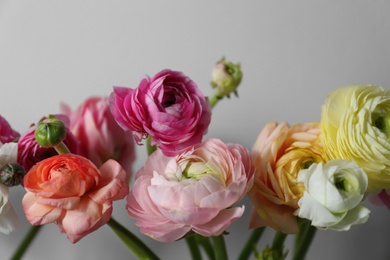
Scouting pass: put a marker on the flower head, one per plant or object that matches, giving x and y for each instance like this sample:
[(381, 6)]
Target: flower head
[(169, 107), (279, 153), (70, 191), (355, 123), (226, 77), (101, 138), (7, 134), (194, 191), (333, 195), (30, 152)]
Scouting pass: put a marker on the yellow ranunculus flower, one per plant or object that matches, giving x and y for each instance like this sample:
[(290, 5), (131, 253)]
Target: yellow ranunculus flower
[(355, 125)]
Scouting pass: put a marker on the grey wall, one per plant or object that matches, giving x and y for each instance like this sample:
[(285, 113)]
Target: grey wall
[(292, 54)]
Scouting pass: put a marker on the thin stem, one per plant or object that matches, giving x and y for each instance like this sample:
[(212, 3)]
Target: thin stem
[(251, 243), (214, 99), (133, 243), (207, 246), (149, 147), (278, 242), (303, 240), (61, 148), (26, 242), (193, 246), (219, 247)]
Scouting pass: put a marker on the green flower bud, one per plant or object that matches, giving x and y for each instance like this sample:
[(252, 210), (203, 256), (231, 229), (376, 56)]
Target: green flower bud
[(50, 132), (12, 174), (226, 77)]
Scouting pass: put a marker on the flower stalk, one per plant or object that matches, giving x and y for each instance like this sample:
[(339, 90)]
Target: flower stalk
[(26, 242), (251, 243), (193, 247), (303, 239), (219, 247), (132, 242)]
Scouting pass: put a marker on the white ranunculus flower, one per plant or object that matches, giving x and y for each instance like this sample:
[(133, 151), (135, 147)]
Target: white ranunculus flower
[(333, 195), (8, 218)]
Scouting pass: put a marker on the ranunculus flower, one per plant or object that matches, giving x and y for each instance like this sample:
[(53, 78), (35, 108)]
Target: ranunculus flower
[(30, 152), (355, 125), (7, 134), (169, 107), (101, 138), (382, 198), (333, 195), (8, 219), (194, 191), (279, 153), (72, 192)]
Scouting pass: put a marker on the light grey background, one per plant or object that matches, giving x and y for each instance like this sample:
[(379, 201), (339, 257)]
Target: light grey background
[(292, 53)]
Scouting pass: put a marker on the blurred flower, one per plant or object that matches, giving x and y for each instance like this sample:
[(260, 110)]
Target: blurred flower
[(169, 107), (333, 195), (194, 191), (101, 138), (7, 134), (12, 174), (355, 124), (382, 198), (8, 219), (279, 153), (30, 152), (70, 191), (226, 77)]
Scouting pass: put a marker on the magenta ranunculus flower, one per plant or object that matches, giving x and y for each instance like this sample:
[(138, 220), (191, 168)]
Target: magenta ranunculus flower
[(7, 134), (101, 138), (30, 152), (194, 191), (169, 107)]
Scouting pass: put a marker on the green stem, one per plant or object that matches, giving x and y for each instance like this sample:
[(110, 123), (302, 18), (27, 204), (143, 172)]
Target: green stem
[(26, 242), (61, 148), (251, 243), (149, 147), (303, 240), (219, 247), (206, 244), (278, 242), (214, 99), (193, 246), (133, 243)]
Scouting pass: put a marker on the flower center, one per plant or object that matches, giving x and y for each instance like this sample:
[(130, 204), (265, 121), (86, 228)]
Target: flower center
[(195, 170)]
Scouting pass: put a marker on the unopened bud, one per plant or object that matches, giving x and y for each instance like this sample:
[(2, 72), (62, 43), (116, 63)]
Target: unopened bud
[(12, 174), (50, 132), (226, 77), (270, 254)]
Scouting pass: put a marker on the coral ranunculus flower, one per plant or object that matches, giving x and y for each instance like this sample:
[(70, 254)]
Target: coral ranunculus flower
[(70, 191), (101, 138), (355, 125), (169, 107), (279, 153), (194, 191)]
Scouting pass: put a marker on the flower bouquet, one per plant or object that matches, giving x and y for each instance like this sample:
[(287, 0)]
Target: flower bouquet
[(315, 175)]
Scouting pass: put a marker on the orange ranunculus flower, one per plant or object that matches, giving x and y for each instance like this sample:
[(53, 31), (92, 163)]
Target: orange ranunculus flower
[(279, 153), (72, 192)]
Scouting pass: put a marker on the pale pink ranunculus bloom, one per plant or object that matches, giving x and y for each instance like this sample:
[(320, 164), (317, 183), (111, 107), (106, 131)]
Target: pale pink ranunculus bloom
[(279, 153), (169, 107), (30, 152), (7, 134), (101, 138), (194, 191), (72, 192)]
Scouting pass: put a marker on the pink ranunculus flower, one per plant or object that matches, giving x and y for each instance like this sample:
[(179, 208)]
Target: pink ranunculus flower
[(193, 191), (169, 107), (7, 134), (279, 153), (101, 138), (30, 152), (72, 192)]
